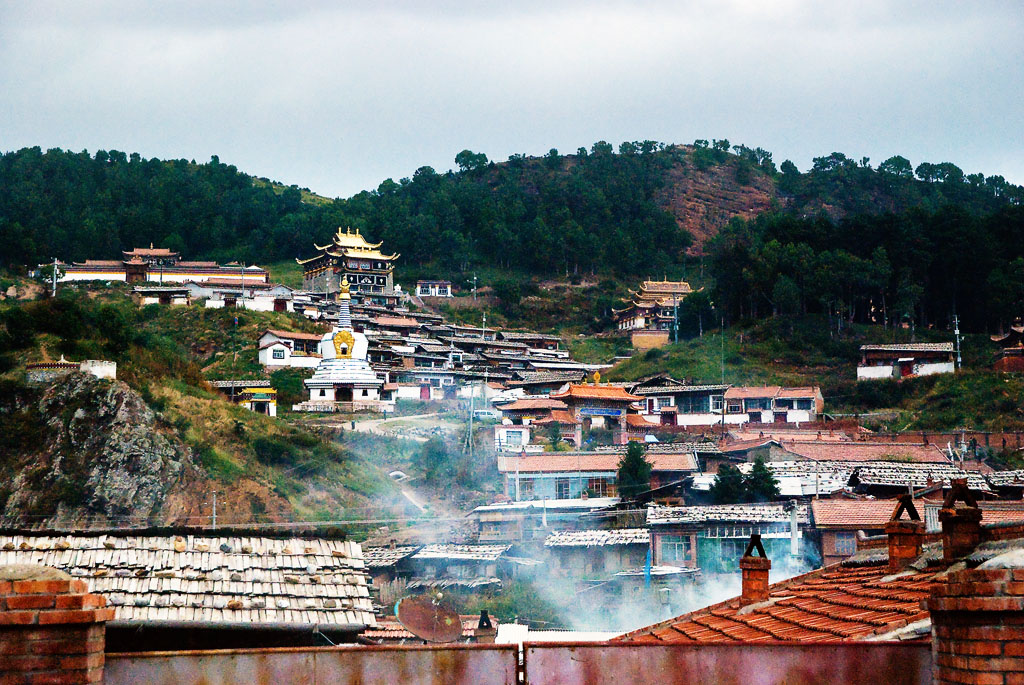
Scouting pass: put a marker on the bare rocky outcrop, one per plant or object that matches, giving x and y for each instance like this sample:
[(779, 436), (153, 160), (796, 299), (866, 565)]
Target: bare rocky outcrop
[(100, 456)]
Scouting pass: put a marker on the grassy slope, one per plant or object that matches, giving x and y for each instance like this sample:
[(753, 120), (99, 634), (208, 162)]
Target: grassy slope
[(802, 353), (172, 351)]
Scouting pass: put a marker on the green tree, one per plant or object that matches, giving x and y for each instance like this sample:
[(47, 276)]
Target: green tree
[(432, 460), (897, 166), (634, 471), (728, 487), (760, 485)]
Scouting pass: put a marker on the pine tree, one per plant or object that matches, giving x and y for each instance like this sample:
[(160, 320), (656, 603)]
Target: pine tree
[(728, 487), (760, 484), (634, 471)]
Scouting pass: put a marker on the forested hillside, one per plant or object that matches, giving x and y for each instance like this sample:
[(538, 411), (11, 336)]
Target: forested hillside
[(845, 239)]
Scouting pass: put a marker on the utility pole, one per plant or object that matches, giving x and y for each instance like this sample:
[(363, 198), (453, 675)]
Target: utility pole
[(214, 517), (483, 331), (956, 332), (474, 286), (53, 277), (675, 318)]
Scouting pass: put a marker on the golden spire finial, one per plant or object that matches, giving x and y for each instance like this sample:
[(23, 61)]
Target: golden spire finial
[(597, 377), (344, 293)]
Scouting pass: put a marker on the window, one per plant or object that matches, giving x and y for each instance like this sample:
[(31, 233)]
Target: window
[(513, 438), (758, 404), (601, 487), (562, 488), (735, 407), (806, 405), (716, 402), (526, 488), (846, 543), (675, 547), (278, 353)]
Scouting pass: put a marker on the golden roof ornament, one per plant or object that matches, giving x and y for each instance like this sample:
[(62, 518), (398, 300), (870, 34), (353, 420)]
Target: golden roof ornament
[(597, 377), (344, 293)]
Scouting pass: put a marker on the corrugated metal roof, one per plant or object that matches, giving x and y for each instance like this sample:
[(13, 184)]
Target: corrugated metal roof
[(210, 579), (462, 552)]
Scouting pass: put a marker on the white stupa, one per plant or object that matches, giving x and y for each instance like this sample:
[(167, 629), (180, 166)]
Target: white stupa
[(344, 380)]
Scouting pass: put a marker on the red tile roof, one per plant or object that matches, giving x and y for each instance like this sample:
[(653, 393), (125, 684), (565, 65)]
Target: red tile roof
[(852, 513), (597, 392), (558, 462), (864, 451), (744, 392), (561, 416), (637, 421), (833, 604)]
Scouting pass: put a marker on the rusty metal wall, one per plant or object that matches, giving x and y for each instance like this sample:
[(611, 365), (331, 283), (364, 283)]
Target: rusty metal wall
[(860, 663), (469, 664)]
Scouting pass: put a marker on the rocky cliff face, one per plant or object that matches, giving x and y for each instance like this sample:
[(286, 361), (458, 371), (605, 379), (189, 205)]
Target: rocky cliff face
[(92, 451)]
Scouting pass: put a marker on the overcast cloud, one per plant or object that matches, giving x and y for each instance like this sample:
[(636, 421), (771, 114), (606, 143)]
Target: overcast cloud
[(339, 96)]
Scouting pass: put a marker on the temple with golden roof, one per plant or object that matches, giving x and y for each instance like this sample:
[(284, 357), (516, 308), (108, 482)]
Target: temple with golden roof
[(652, 307), (349, 257)]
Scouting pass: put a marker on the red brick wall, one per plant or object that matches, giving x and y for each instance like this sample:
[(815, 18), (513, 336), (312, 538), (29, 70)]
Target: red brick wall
[(978, 628), (51, 631)]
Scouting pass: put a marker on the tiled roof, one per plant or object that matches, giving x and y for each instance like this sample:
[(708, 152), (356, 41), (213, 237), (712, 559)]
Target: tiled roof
[(704, 447), (526, 335), (562, 416), (1002, 478), (909, 347), (673, 389), (564, 462), (289, 335), (867, 451), (855, 513), (834, 604), (798, 393), (382, 557), (752, 392), (917, 475), (533, 403), (240, 384), (596, 392), (210, 579), (744, 513), (531, 377), (598, 538), (637, 421), (789, 434), (462, 552), (400, 321)]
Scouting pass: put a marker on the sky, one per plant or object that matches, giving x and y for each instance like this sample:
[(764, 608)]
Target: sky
[(338, 96)]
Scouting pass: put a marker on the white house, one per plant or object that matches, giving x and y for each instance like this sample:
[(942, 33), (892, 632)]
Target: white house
[(434, 288), (773, 404), (278, 349), (903, 360)]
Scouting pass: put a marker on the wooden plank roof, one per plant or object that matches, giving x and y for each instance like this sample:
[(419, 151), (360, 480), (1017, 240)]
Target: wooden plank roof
[(210, 579)]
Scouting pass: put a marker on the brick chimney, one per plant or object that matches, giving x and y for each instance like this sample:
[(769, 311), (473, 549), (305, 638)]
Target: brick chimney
[(755, 573), (905, 536), (51, 631), (961, 527), (976, 625)]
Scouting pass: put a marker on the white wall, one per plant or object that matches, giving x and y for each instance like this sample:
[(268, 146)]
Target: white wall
[(266, 356), (890, 371), (99, 368)]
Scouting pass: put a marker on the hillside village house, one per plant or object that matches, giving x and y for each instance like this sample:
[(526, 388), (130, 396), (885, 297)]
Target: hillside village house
[(905, 359), (533, 519), (650, 315), (568, 475), (156, 264), (46, 372), (713, 537), (351, 259), (772, 404), (582, 553), (434, 289), (279, 349), (671, 402)]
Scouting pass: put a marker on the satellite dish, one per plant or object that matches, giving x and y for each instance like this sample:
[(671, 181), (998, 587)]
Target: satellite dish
[(429, 619)]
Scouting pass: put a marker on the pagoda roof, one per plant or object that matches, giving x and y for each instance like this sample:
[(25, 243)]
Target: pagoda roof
[(596, 392), (348, 239)]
